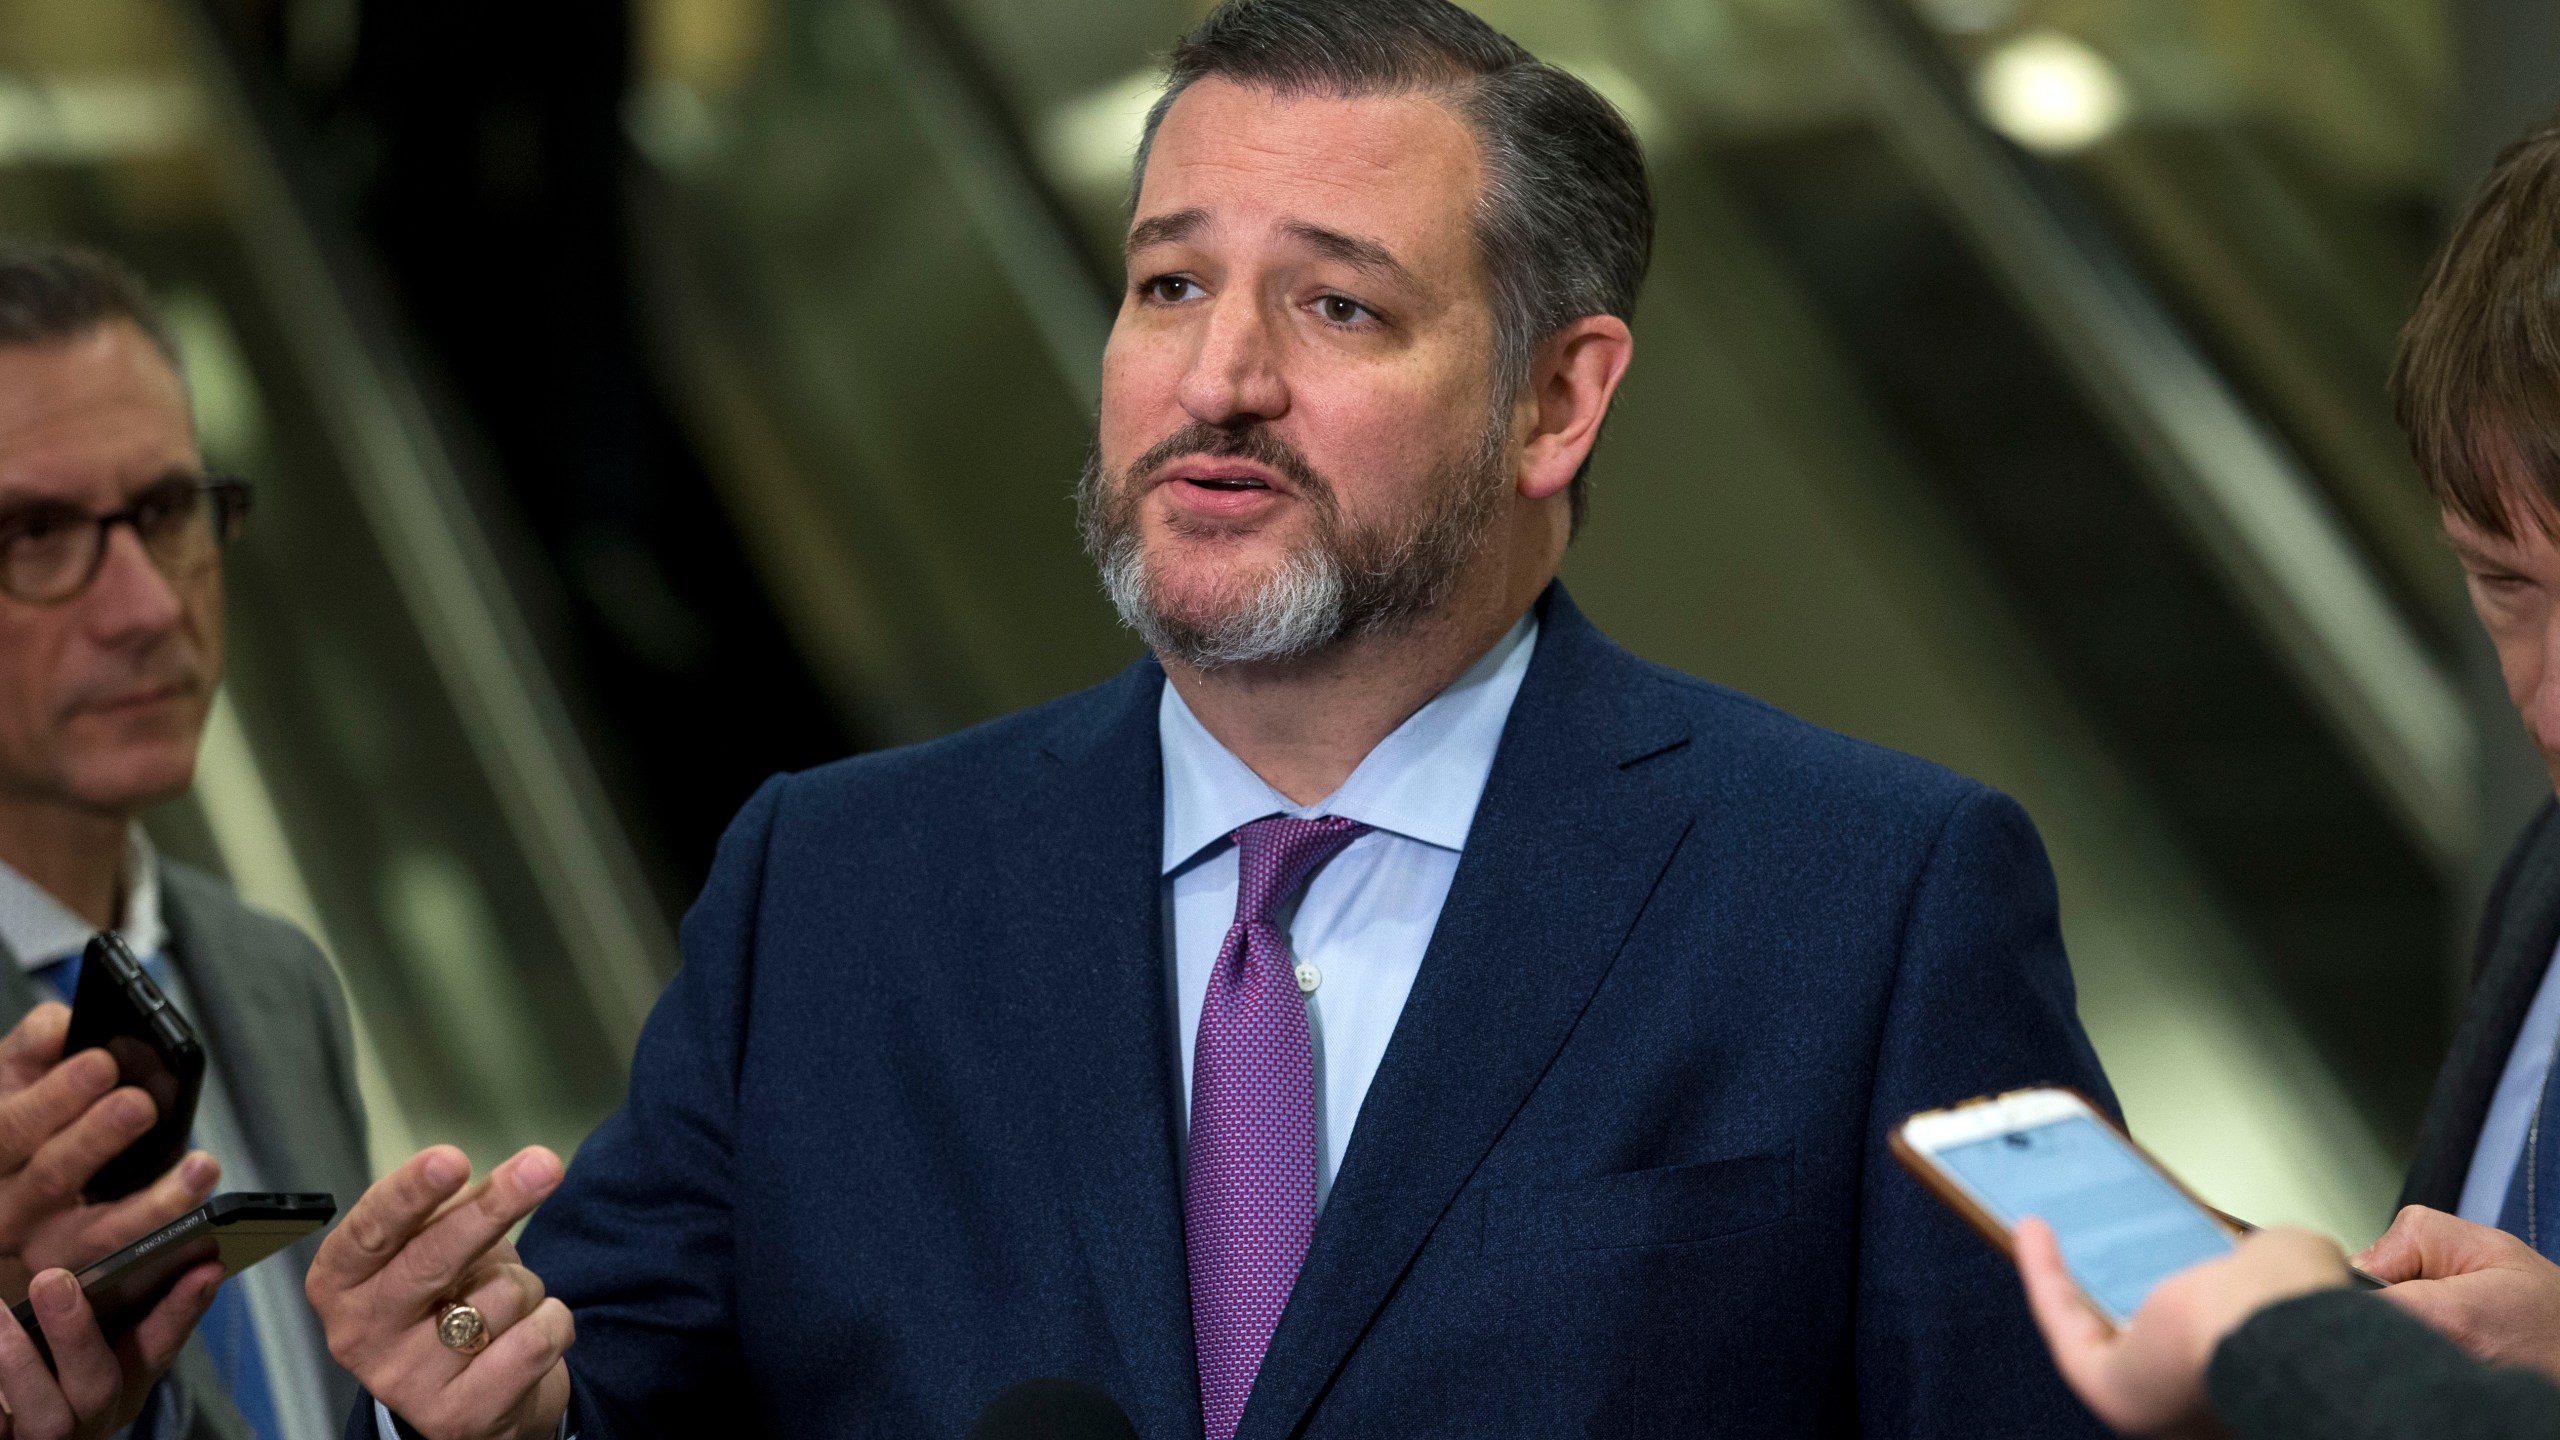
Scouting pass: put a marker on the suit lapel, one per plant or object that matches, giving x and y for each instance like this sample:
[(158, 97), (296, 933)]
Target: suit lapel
[(239, 1008), (1093, 901), (2522, 927), (1565, 851)]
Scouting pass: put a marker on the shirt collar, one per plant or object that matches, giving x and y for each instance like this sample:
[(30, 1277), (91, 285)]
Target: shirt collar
[(38, 929), (1421, 782)]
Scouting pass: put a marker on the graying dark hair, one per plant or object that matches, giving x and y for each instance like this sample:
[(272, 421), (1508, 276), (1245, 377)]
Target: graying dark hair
[(1565, 224), (52, 292)]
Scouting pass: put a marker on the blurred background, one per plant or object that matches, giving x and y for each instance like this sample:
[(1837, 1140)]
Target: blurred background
[(649, 395)]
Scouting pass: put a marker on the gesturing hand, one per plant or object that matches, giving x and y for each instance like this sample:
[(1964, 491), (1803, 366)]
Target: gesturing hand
[(60, 1120), (2148, 1378), (417, 1241), (2485, 1289)]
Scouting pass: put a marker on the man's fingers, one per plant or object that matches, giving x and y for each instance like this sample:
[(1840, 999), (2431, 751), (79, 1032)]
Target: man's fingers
[(37, 1113), (33, 1044), (154, 1344), (503, 1294), (64, 1163), (2429, 1244), (35, 1402), (384, 1219), (2438, 1303), (83, 1362), (2072, 1331), (432, 1263), (109, 1228), (515, 1362), (2394, 1255)]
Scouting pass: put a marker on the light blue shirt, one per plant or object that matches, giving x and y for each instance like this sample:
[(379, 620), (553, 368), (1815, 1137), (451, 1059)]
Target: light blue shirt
[(2511, 1108), (1368, 914)]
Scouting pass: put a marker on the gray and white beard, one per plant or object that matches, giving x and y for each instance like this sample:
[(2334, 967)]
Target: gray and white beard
[(1343, 581)]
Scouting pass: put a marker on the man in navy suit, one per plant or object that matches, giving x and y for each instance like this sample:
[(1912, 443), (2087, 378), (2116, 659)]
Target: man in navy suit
[(1390, 1009)]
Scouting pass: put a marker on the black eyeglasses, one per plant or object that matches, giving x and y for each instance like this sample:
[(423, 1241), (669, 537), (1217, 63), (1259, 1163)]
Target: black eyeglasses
[(51, 549)]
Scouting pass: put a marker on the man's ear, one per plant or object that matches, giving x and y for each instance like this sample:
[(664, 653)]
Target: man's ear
[(1571, 383)]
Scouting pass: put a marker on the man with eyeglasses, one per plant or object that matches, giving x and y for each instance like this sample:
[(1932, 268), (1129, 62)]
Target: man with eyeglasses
[(111, 606)]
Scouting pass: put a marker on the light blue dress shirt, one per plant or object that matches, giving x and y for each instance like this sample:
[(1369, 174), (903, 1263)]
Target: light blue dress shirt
[(2511, 1107), (1367, 916)]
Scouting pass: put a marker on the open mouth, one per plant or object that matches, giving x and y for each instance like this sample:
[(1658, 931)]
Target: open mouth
[(1226, 482)]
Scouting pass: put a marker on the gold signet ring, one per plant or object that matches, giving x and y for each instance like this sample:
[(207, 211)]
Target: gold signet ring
[(462, 1328)]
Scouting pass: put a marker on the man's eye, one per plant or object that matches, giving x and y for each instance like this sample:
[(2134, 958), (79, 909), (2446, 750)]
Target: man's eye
[(1169, 289), (1341, 310), (39, 524)]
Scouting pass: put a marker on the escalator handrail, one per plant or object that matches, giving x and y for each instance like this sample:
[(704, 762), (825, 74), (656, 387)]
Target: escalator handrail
[(405, 480), (2245, 499), (944, 90)]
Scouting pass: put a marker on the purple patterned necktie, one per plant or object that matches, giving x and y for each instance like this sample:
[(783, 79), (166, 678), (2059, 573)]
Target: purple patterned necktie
[(1249, 1200)]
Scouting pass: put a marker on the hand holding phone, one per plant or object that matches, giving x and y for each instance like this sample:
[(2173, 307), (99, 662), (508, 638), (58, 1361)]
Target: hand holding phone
[(65, 1380), (61, 1118), (2497, 1296), (2147, 1377), (2123, 1223), (239, 1229)]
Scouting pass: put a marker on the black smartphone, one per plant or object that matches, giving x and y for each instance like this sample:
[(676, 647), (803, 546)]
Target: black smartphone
[(239, 1229), (117, 1007)]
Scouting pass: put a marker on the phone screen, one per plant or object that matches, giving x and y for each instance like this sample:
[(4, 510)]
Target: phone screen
[(2123, 1227)]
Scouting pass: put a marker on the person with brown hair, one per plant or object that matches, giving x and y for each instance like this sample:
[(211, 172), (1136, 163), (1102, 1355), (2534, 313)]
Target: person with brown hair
[(2269, 1342)]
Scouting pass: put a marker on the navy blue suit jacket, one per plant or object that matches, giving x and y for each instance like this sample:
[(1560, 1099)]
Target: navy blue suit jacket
[(901, 1133)]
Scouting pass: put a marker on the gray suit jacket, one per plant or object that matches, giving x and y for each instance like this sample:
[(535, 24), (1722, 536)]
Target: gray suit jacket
[(276, 1027)]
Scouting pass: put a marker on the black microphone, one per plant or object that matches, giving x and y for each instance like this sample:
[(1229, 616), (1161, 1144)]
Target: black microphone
[(1053, 1410)]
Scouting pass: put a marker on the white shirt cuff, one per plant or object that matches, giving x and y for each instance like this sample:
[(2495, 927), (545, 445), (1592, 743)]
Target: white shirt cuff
[(385, 1429)]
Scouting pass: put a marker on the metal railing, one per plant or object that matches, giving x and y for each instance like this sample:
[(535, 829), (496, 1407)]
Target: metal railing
[(412, 496), (2238, 491)]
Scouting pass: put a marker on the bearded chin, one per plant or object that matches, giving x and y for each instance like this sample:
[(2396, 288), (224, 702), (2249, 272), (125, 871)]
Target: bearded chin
[(1337, 583), (1298, 610)]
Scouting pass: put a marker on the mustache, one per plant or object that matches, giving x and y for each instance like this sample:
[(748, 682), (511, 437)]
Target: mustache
[(1240, 442)]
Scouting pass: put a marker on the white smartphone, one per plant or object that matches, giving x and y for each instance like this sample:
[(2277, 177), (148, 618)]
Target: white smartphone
[(2124, 1223)]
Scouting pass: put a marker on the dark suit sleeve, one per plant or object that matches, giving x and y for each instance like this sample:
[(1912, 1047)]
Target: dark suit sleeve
[(1982, 1002), (638, 1241), (2346, 1366)]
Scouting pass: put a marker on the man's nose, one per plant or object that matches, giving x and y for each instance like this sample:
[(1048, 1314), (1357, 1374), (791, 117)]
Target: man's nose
[(128, 598), (1235, 374)]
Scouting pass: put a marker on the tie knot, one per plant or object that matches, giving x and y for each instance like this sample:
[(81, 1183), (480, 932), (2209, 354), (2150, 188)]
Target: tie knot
[(1274, 857)]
